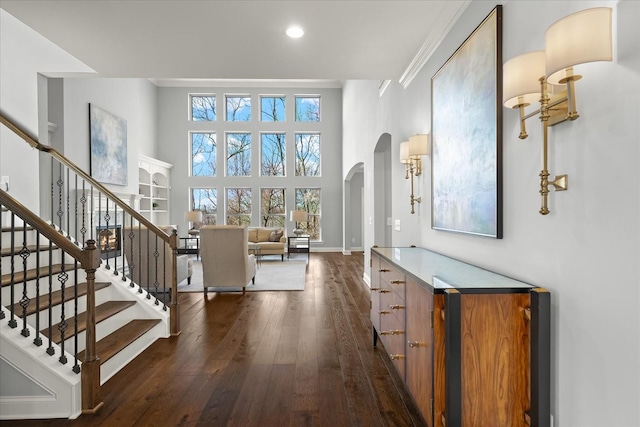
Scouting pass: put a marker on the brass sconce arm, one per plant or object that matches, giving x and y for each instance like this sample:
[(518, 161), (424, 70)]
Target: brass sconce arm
[(410, 154), (579, 38)]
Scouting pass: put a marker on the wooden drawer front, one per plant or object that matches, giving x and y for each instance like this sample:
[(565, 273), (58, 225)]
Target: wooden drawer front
[(375, 291), (392, 277), (393, 336), (392, 304), (419, 350)]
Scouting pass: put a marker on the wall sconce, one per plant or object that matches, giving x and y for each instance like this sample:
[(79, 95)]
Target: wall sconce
[(411, 153), (193, 217), (576, 39)]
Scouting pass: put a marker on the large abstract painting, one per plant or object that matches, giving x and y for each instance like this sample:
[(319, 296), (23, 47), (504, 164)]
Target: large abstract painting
[(466, 126), (108, 146)]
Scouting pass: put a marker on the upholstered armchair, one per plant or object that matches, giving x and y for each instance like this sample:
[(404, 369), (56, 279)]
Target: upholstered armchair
[(226, 262), (143, 267)]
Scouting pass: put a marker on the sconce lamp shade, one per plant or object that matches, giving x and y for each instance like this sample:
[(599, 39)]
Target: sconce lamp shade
[(579, 38), (521, 79), (419, 145), (404, 152), (298, 216), (193, 216)]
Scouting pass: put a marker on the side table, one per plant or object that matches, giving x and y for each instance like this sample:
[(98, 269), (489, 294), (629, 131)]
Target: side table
[(187, 246), (298, 244), (256, 250)]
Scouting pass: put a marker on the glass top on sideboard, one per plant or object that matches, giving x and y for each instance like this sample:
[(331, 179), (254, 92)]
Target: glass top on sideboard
[(443, 272)]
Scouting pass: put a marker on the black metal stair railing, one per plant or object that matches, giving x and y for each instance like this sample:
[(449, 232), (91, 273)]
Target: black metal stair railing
[(85, 208)]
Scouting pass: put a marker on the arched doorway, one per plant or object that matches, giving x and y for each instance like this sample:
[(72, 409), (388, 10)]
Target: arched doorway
[(382, 191), (353, 238)]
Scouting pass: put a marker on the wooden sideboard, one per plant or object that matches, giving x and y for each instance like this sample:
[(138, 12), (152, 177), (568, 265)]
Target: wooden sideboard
[(472, 346)]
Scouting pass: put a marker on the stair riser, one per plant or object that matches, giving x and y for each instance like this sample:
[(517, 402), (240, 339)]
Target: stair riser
[(44, 286), (32, 260)]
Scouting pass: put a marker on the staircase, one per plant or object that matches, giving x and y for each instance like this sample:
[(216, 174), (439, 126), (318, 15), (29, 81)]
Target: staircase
[(71, 316)]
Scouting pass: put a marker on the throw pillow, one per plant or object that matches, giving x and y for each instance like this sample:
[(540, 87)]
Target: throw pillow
[(275, 235)]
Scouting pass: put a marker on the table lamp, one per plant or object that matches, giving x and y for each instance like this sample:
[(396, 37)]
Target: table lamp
[(193, 217)]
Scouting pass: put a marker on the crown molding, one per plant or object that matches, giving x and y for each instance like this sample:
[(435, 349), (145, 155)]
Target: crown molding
[(449, 17)]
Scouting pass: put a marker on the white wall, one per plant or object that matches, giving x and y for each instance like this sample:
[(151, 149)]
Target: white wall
[(174, 127), (23, 55), (587, 251), (134, 100)]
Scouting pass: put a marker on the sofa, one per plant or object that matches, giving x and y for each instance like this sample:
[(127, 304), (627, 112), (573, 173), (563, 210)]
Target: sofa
[(271, 240)]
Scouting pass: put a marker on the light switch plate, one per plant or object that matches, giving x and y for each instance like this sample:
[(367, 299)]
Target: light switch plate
[(4, 183)]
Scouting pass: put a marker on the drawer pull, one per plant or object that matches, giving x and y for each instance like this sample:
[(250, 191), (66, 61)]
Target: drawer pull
[(396, 306), (385, 312), (396, 356), (375, 289), (397, 282), (392, 332), (384, 291), (413, 344), (384, 270)]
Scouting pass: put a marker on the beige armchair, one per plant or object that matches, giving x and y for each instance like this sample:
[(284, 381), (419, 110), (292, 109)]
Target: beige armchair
[(226, 262), (139, 253)]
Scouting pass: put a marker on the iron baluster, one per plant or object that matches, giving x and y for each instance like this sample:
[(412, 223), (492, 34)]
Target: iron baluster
[(60, 183), (37, 340), (76, 366), (63, 325), (13, 322), (50, 350), (106, 232), (24, 301)]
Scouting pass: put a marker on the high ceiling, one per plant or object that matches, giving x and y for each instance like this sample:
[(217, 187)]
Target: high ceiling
[(212, 39)]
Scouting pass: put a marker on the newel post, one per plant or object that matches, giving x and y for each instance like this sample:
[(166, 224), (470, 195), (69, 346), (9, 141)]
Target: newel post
[(91, 399), (174, 308)]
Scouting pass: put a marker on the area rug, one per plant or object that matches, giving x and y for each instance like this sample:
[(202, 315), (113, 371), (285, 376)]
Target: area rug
[(270, 276)]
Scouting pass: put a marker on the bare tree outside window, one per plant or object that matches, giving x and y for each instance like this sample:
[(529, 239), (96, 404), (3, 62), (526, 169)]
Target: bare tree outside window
[(238, 154), (307, 108), (308, 199), (272, 209), (273, 154), (205, 200), (239, 206), (203, 154), (238, 108), (307, 154), (203, 108), (272, 108)]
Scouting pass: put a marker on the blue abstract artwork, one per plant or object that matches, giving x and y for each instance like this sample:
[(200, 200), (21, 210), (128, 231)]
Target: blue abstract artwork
[(108, 146), (466, 119)]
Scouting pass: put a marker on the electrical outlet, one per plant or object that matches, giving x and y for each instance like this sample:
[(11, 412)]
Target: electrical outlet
[(397, 225)]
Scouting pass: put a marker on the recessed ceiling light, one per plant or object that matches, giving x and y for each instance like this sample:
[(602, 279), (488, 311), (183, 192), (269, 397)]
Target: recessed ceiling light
[(295, 32)]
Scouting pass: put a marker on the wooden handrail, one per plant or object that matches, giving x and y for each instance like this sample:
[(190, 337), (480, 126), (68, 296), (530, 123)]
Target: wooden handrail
[(34, 143), (43, 227)]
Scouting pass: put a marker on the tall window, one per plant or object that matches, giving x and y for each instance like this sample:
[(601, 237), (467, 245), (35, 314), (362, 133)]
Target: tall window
[(203, 154), (238, 108), (205, 200), (272, 210), (272, 108), (239, 206), (203, 108), (307, 108), (238, 154), (272, 158), (308, 199), (307, 154)]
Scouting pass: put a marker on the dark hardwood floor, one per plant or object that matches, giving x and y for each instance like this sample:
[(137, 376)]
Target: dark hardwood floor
[(265, 359)]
